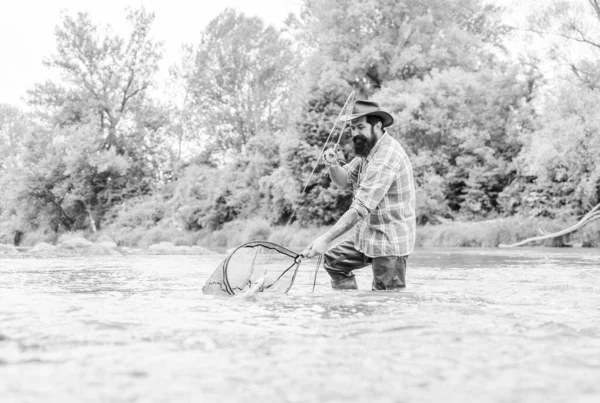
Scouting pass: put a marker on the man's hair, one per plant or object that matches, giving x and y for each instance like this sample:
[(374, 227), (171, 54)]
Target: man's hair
[(373, 119)]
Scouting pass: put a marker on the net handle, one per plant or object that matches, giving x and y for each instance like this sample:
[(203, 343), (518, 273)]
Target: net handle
[(316, 272)]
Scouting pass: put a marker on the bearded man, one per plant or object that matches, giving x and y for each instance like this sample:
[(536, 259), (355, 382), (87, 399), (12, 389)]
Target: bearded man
[(383, 208)]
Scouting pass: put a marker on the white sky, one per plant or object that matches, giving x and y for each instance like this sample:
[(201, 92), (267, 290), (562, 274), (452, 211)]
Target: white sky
[(27, 30)]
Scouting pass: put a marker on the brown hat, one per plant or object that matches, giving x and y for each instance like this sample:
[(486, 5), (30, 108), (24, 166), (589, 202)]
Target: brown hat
[(366, 108)]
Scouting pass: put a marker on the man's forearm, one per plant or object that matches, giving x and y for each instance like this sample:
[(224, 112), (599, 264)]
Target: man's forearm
[(347, 221), (338, 175)]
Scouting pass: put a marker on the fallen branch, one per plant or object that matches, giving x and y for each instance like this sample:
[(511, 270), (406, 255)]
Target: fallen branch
[(593, 215)]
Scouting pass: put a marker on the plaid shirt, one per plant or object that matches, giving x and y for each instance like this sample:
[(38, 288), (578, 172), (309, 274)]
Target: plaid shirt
[(384, 196)]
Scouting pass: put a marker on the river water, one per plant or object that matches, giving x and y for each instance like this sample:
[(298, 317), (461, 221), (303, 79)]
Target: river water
[(479, 325)]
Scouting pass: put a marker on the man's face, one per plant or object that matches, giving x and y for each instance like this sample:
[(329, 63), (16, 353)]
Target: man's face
[(363, 136)]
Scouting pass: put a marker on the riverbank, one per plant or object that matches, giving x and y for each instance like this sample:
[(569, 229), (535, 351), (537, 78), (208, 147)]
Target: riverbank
[(75, 244), (488, 233), (166, 240), (491, 233)]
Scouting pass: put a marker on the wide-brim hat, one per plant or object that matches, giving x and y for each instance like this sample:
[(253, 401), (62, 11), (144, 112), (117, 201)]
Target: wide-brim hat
[(368, 108)]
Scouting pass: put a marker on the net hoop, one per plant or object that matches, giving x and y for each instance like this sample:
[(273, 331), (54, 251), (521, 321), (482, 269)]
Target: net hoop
[(297, 259)]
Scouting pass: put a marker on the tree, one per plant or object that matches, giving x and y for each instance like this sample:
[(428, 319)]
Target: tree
[(368, 43), (234, 90), (578, 25), (14, 127), (100, 138), (102, 74), (238, 78), (383, 48), (559, 163), (558, 172), (464, 130)]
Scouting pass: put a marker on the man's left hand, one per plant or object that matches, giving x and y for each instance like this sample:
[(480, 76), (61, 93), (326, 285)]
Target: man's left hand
[(316, 247)]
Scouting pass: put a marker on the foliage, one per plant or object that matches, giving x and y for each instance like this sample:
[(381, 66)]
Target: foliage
[(561, 157), (431, 63), (574, 32), (590, 235), (491, 233), (366, 44), (295, 236), (232, 155), (236, 233), (559, 173), (103, 74), (138, 213), (237, 79), (193, 195), (98, 140), (464, 130), (14, 127)]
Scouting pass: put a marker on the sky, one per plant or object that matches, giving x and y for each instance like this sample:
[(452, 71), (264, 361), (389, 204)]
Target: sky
[(27, 30)]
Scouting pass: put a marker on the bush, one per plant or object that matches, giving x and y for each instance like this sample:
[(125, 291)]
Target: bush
[(138, 213), (256, 230), (7, 231), (491, 233), (296, 237), (590, 235), (156, 235), (144, 237), (34, 237), (186, 239), (67, 236), (236, 233)]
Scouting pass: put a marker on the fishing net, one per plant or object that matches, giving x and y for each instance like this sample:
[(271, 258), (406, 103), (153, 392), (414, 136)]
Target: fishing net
[(249, 263), (254, 261)]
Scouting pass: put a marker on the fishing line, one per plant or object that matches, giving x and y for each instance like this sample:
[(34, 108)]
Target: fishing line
[(232, 276), (346, 111), (349, 102)]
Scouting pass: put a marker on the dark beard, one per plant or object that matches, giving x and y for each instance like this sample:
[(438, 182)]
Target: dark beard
[(362, 145)]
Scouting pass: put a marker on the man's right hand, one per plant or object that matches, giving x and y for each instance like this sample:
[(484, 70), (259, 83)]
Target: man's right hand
[(316, 247), (330, 157)]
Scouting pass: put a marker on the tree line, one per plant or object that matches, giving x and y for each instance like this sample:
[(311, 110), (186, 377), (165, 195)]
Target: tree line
[(236, 130)]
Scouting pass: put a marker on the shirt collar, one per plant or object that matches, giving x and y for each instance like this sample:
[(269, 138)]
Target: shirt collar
[(376, 147)]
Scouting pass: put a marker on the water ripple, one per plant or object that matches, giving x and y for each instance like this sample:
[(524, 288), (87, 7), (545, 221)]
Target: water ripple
[(473, 325)]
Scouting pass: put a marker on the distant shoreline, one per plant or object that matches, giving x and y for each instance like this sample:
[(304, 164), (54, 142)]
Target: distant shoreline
[(486, 234)]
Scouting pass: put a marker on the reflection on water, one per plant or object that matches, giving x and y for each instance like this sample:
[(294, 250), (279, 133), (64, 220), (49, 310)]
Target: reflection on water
[(473, 325)]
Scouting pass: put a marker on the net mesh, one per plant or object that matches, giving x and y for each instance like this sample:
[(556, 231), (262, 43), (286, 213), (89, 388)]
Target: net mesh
[(251, 262)]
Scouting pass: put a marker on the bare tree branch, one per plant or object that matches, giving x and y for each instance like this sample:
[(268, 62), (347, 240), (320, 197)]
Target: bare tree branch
[(572, 38), (596, 6)]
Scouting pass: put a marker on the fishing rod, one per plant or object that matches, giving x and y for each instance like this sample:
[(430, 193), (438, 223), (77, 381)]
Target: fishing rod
[(327, 156), (346, 111), (232, 276)]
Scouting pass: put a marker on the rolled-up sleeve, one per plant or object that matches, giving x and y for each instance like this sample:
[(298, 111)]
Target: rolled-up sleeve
[(374, 185), (359, 207), (353, 167)]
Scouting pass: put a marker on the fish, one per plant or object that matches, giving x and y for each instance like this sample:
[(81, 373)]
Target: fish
[(253, 289)]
